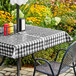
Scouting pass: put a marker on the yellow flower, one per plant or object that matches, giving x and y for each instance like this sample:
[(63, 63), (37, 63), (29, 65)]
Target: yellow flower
[(25, 6), (21, 7), (66, 1), (65, 9), (74, 6), (3, 20), (15, 21), (60, 12), (55, 13), (41, 2), (12, 17), (37, 22), (51, 6), (8, 14), (61, 5), (40, 14), (31, 2), (37, 2), (2, 11), (5, 16), (68, 4), (56, 7), (64, 5)]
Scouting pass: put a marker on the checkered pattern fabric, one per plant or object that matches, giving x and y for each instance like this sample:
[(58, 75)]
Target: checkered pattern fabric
[(30, 41), (28, 48), (6, 49)]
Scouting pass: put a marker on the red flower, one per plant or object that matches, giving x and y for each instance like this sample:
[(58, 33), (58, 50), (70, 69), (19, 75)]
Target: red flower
[(60, 25), (69, 30)]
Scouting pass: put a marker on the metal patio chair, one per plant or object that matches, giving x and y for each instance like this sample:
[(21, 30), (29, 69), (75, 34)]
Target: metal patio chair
[(55, 68)]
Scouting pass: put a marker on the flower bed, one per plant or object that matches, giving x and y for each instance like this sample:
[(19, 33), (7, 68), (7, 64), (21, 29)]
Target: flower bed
[(43, 13), (5, 17)]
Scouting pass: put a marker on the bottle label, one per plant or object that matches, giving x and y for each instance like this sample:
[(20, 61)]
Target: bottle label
[(23, 24)]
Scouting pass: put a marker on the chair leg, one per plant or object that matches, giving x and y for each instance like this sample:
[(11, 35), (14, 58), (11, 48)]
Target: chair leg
[(74, 69), (34, 65), (34, 71)]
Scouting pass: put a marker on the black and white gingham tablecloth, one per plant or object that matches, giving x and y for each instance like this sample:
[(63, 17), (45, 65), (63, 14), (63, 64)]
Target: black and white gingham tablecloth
[(32, 40)]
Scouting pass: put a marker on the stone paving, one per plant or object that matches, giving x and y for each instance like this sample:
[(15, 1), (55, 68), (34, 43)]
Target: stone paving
[(25, 71)]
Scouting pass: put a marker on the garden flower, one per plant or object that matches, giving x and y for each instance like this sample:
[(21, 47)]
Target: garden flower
[(60, 25), (69, 30), (51, 6), (26, 6), (51, 15), (74, 2), (55, 13), (74, 21), (47, 20), (37, 2), (39, 10), (5, 16), (57, 19), (65, 26), (68, 4), (33, 20)]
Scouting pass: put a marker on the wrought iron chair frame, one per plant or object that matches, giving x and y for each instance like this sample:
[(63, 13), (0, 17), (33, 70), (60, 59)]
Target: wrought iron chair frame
[(73, 64)]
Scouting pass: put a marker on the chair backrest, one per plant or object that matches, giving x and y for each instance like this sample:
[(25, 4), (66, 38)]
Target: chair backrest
[(69, 56)]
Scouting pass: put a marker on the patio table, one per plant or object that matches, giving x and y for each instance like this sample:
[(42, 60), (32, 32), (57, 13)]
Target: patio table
[(31, 40)]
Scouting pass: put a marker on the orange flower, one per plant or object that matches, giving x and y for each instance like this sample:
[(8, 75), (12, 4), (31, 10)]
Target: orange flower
[(74, 21)]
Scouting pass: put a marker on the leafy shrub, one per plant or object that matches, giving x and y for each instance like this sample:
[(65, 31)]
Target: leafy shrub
[(6, 6)]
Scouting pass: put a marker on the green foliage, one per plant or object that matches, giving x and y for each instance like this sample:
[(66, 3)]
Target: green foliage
[(10, 61), (6, 6), (1, 22)]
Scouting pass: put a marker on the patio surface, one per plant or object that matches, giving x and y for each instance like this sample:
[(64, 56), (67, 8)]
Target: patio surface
[(25, 71)]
